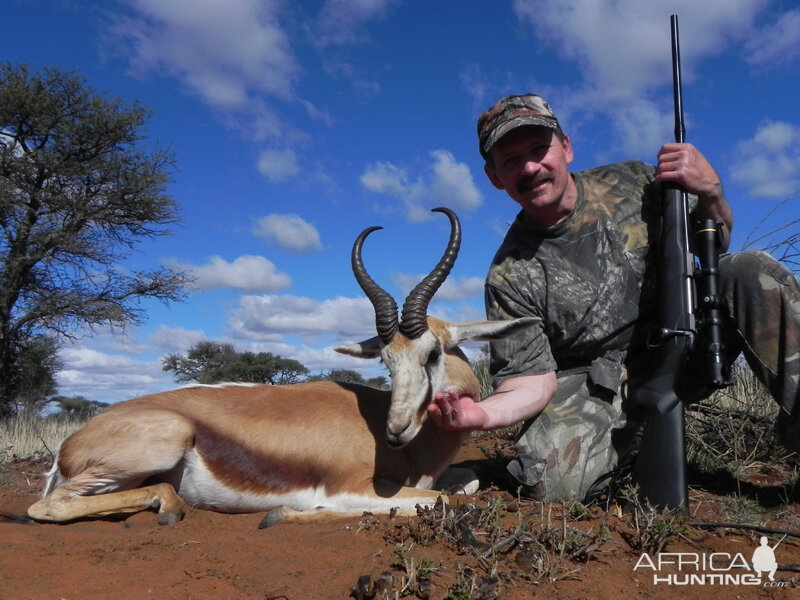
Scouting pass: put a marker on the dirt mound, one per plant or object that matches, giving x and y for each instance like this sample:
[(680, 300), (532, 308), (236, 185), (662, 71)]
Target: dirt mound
[(492, 545)]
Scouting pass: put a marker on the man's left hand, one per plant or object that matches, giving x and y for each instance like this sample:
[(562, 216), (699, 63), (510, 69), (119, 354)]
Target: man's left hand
[(453, 411)]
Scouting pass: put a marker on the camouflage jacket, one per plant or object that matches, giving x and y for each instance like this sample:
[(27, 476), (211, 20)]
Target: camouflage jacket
[(590, 278)]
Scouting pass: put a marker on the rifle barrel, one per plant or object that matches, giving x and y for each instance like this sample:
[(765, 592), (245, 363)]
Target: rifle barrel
[(680, 130)]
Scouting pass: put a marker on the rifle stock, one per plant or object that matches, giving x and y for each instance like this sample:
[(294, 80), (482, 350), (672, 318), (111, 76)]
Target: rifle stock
[(660, 468)]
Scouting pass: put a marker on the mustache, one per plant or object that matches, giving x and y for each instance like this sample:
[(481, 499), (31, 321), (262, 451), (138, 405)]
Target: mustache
[(530, 182)]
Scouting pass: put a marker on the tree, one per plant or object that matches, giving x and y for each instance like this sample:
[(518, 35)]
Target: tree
[(33, 371), (349, 376), (78, 191), (212, 362), (78, 407)]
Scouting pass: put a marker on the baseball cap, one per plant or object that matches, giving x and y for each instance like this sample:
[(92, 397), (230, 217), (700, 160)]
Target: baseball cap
[(509, 113)]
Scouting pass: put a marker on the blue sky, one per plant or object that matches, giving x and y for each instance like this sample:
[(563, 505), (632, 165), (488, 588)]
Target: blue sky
[(298, 124)]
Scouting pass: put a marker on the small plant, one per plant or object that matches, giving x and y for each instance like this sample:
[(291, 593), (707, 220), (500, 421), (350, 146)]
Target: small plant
[(744, 510), (464, 585), (655, 529), (575, 511), (417, 579)]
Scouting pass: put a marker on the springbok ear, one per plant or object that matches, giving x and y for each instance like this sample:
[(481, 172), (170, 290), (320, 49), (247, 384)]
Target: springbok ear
[(370, 348), (487, 331)]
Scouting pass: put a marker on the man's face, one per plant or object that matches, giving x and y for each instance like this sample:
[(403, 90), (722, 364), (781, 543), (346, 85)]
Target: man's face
[(530, 164)]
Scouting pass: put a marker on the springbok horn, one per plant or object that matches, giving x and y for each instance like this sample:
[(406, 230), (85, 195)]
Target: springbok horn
[(384, 304), (414, 318)]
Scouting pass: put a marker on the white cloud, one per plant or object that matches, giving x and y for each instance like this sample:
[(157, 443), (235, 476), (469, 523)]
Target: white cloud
[(449, 183), (340, 21), (247, 273), (264, 317), (454, 289), (642, 127), (622, 48), (278, 165), (290, 232), (108, 377), (386, 178), (778, 43), (768, 164), (222, 51), (452, 183), (176, 339), (322, 358)]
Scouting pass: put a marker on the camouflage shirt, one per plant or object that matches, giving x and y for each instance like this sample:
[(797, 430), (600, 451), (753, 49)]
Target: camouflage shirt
[(589, 278)]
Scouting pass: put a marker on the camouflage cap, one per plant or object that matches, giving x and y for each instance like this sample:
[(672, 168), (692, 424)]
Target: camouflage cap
[(512, 112)]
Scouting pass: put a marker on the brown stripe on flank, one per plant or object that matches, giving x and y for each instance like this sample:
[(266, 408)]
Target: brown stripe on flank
[(243, 469)]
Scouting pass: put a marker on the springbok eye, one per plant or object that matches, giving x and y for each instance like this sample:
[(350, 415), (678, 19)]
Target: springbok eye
[(433, 357)]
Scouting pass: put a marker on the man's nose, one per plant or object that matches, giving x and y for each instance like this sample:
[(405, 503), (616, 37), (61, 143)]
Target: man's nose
[(531, 166)]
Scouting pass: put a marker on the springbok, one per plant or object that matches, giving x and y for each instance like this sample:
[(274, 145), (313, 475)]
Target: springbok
[(297, 451)]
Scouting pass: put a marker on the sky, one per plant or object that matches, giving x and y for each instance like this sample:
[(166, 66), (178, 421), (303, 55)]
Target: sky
[(297, 124)]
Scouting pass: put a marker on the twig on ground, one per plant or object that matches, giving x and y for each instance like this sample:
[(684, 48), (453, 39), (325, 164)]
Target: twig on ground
[(759, 528)]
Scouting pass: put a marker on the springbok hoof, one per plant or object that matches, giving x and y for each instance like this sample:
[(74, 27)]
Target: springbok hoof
[(168, 518), (273, 517)]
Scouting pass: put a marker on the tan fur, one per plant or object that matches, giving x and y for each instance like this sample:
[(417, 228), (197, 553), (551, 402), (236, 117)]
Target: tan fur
[(317, 434), (314, 447)]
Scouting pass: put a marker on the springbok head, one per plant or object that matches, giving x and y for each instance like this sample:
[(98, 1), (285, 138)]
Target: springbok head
[(421, 352)]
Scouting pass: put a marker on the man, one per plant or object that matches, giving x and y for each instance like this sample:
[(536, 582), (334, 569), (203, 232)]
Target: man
[(579, 257)]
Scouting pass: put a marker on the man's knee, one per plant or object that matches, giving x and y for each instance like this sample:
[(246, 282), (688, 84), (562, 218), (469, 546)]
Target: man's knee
[(755, 268)]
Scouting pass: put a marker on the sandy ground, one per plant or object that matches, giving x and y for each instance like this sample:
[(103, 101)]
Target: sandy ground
[(495, 545)]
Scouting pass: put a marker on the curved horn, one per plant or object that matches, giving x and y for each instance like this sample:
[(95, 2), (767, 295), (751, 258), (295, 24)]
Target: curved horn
[(384, 304), (414, 319)]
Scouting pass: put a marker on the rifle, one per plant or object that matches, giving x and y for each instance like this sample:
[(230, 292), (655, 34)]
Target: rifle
[(660, 467)]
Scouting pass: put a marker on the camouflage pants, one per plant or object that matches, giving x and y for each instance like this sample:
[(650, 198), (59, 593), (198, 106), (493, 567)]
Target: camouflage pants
[(578, 438), (585, 432), (763, 299)]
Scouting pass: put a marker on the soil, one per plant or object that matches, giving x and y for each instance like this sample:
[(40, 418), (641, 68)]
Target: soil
[(491, 545)]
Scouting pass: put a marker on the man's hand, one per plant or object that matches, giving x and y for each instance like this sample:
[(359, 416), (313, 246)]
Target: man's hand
[(684, 165), (515, 400), (452, 411)]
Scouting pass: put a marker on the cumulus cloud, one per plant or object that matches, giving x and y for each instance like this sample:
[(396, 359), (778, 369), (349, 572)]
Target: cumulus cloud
[(108, 377), (768, 164), (454, 289), (290, 232), (448, 182), (222, 51), (320, 358), (237, 57), (636, 60), (340, 21), (176, 339), (777, 43), (263, 317), (619, 77), (278, 165), (247, 273), (452, 182)]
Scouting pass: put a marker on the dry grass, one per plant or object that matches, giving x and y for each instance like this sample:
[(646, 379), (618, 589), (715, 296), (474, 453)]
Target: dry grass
[(25, 435), (735, 428)]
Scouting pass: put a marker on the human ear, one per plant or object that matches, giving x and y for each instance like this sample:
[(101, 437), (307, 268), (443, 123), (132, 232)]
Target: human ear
[(567, 146), (492, 175)]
